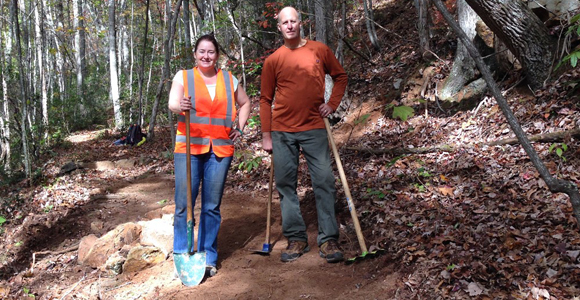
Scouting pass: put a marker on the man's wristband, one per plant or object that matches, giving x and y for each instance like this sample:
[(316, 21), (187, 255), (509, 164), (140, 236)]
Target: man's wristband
[(241, 132)]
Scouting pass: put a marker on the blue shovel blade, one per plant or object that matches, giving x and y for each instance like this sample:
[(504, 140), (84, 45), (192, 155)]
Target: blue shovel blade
[(190, 268)]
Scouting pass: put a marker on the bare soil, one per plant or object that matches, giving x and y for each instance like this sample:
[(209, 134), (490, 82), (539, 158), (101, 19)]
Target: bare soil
[(242, 273)]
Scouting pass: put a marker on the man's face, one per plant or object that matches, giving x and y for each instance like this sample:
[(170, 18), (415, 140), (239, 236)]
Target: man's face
[(288, 24)]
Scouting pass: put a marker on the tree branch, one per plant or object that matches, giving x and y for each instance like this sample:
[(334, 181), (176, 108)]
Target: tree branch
[(357, 53)]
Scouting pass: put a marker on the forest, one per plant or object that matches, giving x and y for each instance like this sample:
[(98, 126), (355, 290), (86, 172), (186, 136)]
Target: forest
[(458, 134)]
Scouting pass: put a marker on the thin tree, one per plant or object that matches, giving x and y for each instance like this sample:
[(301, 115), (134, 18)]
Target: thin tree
[(370, 23), (79, 42), (5, 116), (230, 13), (164, 82), (23, 107), (114, 78), (142, 64), (555, 185), (422, 7), (339, 53), (42, 71), (187, 31)]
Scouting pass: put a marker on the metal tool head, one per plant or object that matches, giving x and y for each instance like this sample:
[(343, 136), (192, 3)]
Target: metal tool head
[(190, 268)]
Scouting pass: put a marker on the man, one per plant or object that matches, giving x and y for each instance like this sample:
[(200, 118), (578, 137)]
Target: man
[(295, 74)]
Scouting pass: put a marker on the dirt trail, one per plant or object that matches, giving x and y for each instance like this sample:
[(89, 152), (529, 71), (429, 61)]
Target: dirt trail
[(242, 274)]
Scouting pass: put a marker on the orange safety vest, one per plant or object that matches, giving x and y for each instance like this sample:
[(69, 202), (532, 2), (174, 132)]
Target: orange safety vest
[(210, 121)]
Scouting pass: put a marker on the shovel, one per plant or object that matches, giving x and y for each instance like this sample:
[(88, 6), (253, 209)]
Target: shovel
[(267, 247), (190, 267), (364, 251)]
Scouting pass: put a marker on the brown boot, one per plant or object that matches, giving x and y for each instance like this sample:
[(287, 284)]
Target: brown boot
[(294, 250), (331, 252)]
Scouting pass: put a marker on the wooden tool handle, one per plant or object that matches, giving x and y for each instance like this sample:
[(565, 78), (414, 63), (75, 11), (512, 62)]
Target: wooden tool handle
[(188, 170), (268, 214), (349, 200)]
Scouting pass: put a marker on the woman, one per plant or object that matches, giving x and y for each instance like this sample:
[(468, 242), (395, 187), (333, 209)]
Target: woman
[(207, 93)]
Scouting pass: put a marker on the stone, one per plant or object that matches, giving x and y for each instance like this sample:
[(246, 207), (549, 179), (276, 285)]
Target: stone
[(142, 257), (113, 241), (85, 246), (158, 233), (126, 163)]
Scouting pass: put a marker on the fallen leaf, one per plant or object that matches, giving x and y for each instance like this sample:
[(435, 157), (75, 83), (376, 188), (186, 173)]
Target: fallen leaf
[(446, 191), (474, 289)]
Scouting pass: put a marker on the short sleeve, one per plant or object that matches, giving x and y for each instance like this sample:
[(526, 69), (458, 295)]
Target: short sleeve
[(236, 82)]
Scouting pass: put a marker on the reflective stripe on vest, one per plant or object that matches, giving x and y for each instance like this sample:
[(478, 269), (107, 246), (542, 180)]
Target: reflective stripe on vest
[(207, 125)]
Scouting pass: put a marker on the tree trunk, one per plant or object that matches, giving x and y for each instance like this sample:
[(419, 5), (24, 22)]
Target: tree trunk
[(142, 64), (131, 64), (230, 13), (341, 33), (523, 33), (323, 14), (114, 78), (422, 7), (164, 83), (78, 25), (5, 115), (42, 71), (23, 107), (464, 69), (58, 62), (555, 185), (370, 23), (186, 31)]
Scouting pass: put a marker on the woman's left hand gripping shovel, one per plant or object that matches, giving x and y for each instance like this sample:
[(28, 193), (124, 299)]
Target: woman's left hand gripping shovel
[(190, 267)]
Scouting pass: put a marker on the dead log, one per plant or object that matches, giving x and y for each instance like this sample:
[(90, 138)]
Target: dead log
[(551, 137)]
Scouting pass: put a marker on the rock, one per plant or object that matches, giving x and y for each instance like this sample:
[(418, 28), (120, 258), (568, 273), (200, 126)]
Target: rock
[(114, 264), (168, 209), (85, 246), (97, 226), (100, 165), (154, 214), (126, 163), (158, 233), (113, 241), (69, 167), (142, 257)]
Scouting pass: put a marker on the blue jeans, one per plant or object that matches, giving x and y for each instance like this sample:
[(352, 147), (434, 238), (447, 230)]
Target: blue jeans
[(286, 148), (210, 171)]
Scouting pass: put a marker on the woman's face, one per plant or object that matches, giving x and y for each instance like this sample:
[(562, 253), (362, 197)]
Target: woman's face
[(206, 55)]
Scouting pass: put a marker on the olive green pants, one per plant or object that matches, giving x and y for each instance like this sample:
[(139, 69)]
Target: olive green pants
[(286, 148)]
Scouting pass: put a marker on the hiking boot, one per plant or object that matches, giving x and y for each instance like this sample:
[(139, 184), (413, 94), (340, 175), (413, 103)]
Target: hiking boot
[(294, 250), (210, 271), (331, 252)]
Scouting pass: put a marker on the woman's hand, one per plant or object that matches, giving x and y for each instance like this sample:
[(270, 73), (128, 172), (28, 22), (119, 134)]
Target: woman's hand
[(185, 104), (235, 134)]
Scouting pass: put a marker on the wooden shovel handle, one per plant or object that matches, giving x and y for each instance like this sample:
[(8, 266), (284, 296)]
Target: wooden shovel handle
[(349, 200), (188, 170)]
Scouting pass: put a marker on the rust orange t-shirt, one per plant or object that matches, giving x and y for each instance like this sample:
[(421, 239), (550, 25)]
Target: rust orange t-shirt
[(296, 78)]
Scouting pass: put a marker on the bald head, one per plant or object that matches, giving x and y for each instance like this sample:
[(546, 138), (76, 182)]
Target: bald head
[(288, 12), (289, 24)]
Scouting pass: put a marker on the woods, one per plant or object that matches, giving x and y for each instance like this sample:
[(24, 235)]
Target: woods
[(76, 65), (461, 150)]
